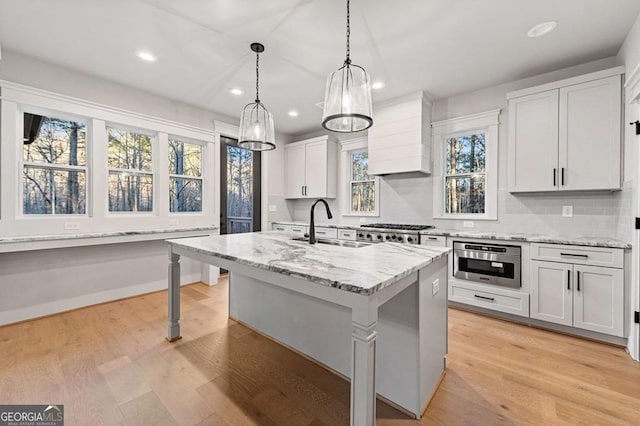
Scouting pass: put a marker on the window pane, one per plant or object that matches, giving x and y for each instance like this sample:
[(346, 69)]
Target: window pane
[(128, 150), (185, 195), (360, 166), (130, 192), (185, 158), (53, 191), (465, 154), (239, 182), (57, 141), (465, 194), (363, 197)]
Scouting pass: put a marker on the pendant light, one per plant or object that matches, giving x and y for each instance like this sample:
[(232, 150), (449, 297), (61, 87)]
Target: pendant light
[(256, 123), (347, 99)]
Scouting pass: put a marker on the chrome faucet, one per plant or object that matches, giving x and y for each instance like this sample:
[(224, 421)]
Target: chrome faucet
[(312, 226)]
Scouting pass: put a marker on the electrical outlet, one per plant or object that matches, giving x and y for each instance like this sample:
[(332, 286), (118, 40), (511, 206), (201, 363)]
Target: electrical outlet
[(173, 222), (436, 287), (273, 208), (567, 211), (71, 226), (468, 224)]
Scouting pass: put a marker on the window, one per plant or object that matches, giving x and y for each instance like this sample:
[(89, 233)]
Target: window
[(185, 177), (130, 171), (465, 174), (54, 158), (465, 168), (362, 197)]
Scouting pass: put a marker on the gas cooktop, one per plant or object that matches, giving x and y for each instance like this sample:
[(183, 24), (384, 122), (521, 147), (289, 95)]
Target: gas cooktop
[(397, 226)]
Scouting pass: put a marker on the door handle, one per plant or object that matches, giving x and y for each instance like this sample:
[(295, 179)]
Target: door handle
[(578, 279), (554, 176), (568, 279), (562, 176)]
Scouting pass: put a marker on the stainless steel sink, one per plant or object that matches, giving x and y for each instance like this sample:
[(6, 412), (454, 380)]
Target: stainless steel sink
[(341, 243)]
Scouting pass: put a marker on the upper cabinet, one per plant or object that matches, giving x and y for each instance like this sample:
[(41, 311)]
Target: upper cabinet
[(400, 138), (311, 168), (566, 136)]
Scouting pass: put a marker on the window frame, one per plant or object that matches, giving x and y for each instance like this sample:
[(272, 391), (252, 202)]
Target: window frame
[(60, 115), (153, 172), (201, 178), (486, 122), (348, 148)]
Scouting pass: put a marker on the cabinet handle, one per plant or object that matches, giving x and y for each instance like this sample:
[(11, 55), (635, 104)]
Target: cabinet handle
[(320, 232), (575, 255), (305, 190), (562, 176), (578, 279), (432, 238), (484, 297), (302, 190), (554, 176), (568, 279)]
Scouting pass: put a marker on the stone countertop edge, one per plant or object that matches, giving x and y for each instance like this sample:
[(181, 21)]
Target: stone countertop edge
[(24, 239), (428, 256), (504, 236)]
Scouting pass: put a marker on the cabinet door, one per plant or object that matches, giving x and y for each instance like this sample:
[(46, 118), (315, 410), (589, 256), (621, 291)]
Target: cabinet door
[(551, 292), (533, 142), (316, 173), (590, 135), (598, 301), (295, 171)]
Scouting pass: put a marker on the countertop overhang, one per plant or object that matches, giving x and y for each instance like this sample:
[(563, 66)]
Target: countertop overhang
[(363, 270)]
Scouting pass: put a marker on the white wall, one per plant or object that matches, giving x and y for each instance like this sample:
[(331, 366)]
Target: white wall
[(409, 199)]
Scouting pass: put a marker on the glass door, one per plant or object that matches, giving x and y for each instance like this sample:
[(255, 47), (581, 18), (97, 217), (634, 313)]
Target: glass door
[(240, 188)]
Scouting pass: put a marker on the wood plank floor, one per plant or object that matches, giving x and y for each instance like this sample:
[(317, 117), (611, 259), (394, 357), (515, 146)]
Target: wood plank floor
[(110, 364)]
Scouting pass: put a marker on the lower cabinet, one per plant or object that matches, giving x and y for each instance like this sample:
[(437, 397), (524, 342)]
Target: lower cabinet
[(581, 296)]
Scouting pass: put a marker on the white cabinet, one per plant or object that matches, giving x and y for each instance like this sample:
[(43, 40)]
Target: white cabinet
[(347, 234), (566, 136), (433, 240), (311, 168), (400, 139), (577, 294)]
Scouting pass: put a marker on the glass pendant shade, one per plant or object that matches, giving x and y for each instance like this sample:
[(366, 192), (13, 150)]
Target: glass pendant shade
[(347, 100), (256, 128)]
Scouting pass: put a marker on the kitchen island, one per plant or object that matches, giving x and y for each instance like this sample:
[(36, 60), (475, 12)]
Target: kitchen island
[(375, 313)]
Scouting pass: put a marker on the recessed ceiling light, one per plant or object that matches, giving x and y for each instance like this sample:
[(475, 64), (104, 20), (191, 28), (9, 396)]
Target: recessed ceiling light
[(377, 85), (293, 113), (542, 29), (235, 91), (147, 56)]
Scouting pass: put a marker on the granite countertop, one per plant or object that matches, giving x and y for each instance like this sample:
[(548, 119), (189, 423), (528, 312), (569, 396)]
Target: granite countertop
[(504, 236), (363, 270), (30, 238)]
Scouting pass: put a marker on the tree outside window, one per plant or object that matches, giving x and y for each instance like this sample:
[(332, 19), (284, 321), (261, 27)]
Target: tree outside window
[(362, 186), (54, 166), (185, 177), (130, 171), (465, 174)]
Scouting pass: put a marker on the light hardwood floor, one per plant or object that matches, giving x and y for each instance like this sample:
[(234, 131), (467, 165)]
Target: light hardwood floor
[(110, 364)]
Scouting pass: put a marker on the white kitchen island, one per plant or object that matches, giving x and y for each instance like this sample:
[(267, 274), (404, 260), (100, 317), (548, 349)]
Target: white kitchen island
[(376, 314)]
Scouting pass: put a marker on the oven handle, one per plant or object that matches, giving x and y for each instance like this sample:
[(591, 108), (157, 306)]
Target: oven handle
[(484, 297), (480, 255)]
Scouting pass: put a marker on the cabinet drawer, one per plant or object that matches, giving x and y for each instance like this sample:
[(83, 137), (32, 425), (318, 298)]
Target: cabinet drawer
[(326, 232), (298, 229), (281, 228), (595, 256), (433, 240), (477, 295), (347, 234)]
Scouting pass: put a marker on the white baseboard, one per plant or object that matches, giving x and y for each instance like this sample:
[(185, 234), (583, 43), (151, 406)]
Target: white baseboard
[(44, 309)]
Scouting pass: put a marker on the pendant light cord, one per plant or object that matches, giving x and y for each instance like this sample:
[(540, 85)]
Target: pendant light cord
[(348, 60), (257, 76)]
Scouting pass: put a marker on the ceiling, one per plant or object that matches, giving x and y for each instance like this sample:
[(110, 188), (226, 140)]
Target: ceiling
[(444, 47)]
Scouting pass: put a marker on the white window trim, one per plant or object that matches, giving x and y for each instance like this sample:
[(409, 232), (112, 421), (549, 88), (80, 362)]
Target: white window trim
[(347, 148), (16, 98), (186, 177), (486, 122)]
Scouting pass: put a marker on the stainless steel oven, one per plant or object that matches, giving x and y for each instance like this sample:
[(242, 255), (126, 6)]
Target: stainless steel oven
[(487, 263)]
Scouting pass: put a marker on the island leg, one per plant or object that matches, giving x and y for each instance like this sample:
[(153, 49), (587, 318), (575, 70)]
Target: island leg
[(363, 365), (174, 297)]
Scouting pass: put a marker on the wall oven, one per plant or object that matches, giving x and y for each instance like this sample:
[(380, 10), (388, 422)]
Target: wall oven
[(487, 263)]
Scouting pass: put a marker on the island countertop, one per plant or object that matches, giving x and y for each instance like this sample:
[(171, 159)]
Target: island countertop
[(363, 270)]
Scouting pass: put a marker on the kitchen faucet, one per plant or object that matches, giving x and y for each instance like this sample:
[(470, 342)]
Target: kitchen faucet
[(312, 226)]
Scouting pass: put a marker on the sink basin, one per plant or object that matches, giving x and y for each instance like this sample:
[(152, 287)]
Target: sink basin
[(341, 243)]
